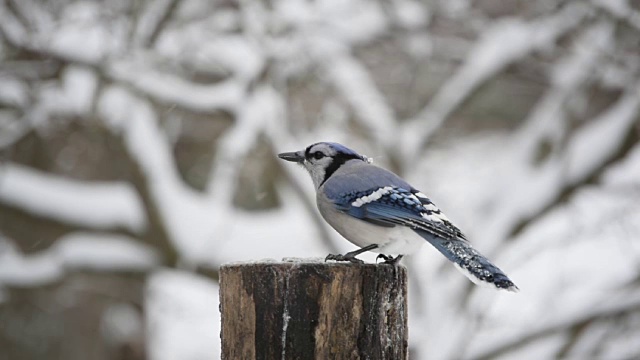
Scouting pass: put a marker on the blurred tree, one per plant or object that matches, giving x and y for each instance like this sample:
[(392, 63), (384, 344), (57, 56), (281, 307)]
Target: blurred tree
[(137, 135)]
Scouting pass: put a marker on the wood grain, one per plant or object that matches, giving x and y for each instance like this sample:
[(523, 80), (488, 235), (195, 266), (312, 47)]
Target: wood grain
[(313, 310)]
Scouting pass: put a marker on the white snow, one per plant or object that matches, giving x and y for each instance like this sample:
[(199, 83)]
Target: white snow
[(356, 21), (231, 54), (11, 128), (503, 43), (200, 226), (182, 316), (620, 8), (82, 34), (74, 96), (625, 173), (503, 202), (34, 270), (105, 253), (12, 28), (248, 236), (584, 250), (410, 14), (121, 323), (101, 205), (13, 91), (150, 20), (172, 89), (570, 263), (614, 123), (79, 88), (356, 86), (187, 215), (73, 252)]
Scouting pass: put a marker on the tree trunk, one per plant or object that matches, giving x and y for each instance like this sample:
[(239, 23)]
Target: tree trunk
[(313, 310)]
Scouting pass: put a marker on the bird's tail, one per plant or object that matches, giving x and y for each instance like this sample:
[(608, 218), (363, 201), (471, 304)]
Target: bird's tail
[(475, 266)]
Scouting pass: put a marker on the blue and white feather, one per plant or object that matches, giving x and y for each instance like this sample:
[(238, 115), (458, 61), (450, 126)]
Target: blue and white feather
[(375, 209)]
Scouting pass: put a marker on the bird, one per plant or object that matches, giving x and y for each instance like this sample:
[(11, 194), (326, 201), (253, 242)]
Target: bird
[(378, 211)]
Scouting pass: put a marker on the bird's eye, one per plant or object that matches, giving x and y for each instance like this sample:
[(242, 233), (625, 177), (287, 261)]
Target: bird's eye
[(318, 155)]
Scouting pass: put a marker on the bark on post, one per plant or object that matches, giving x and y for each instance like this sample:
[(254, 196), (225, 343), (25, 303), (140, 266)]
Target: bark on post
[(313, 310)]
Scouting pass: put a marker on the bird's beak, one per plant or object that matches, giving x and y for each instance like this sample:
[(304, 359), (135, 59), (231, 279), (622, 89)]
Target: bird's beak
[(297, 156)]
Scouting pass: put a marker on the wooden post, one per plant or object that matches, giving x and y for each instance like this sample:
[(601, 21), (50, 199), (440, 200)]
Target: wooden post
[(310, 309)]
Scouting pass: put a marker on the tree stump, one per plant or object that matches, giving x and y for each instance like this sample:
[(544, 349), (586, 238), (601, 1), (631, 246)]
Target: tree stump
[(313, 310)]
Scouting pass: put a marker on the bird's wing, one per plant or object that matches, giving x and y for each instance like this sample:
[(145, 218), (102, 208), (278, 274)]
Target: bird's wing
[(391, 206)]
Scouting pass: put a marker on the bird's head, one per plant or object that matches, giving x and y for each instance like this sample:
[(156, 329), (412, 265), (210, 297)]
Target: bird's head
[(322, 159)]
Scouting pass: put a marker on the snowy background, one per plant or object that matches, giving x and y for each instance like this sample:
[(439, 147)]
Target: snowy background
[(137, 143)]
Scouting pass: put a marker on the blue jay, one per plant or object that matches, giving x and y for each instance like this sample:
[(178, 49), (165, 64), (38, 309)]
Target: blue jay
[(378, 211)]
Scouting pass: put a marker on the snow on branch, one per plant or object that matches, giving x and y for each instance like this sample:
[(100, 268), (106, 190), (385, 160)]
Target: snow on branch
[(354, 83), (14, 94), (153, 20), (621, 9), (259, 113), (606, 311), (502, 44), (586, 152), (12, 129), (174, 90), (80, 35), (545, 179), (73, 252), (10, 27), (547, 120), (105, 252), (74, 96), (97, 205), (185, 213), (182, 317), (33, 14)]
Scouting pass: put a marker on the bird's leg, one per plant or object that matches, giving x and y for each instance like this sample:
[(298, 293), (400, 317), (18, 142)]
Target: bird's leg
[(390, 259), (351, 256)]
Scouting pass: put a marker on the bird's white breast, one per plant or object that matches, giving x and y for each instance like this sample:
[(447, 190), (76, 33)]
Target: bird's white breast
[(391, 240)]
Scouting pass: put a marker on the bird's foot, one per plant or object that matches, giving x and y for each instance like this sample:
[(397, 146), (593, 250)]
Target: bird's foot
[(390, 260), (346, 257)]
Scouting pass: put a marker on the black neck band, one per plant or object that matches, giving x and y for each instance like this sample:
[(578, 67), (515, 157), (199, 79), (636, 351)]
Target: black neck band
[(338, 160)]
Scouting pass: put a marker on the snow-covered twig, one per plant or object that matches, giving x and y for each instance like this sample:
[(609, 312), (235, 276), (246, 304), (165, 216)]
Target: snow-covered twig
[(153, 20), (499, 46), (605, 312), (97, 205)]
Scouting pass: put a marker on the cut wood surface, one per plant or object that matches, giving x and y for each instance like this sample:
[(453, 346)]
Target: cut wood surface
[(309, 309)]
